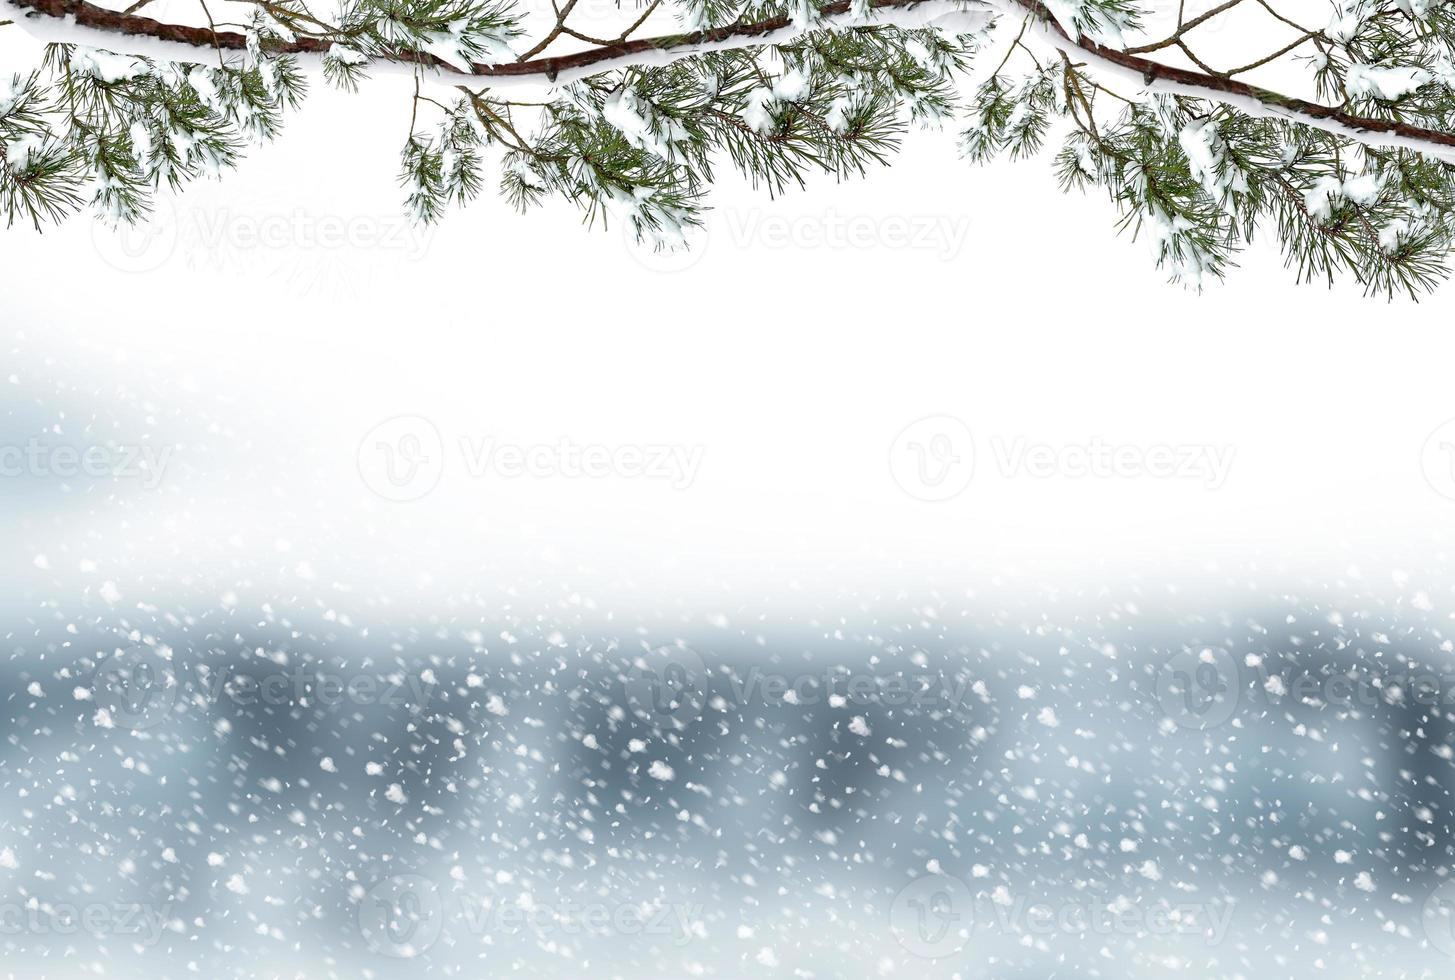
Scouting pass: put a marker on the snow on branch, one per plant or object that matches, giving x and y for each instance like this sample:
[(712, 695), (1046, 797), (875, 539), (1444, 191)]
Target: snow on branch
[(83, 22), (1355, 174)]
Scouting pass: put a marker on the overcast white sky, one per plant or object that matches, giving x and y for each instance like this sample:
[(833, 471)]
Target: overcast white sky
[(786, 357)]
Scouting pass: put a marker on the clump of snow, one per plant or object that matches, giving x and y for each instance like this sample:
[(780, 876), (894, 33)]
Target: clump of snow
[(1388, 83), (107, 67)]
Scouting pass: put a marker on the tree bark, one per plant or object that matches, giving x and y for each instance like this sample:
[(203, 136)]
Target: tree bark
[(622, 53), (1149, 75)]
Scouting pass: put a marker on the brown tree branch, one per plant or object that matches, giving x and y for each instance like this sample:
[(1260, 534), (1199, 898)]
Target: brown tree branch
[(1222, 88), (1202, 84), (90, 15)]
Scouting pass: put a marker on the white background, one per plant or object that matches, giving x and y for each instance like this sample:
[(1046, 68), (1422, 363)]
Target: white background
[(791, 365)]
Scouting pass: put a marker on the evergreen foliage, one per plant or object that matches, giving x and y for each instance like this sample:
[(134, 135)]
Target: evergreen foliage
[(1197, 175)]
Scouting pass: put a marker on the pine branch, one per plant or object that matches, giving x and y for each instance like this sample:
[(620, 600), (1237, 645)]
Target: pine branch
[(1153, 76), (620, 53), (1194, 159)]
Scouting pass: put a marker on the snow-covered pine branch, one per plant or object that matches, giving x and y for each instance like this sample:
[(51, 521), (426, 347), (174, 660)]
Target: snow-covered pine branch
[(1348, 161), (84, 23)]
